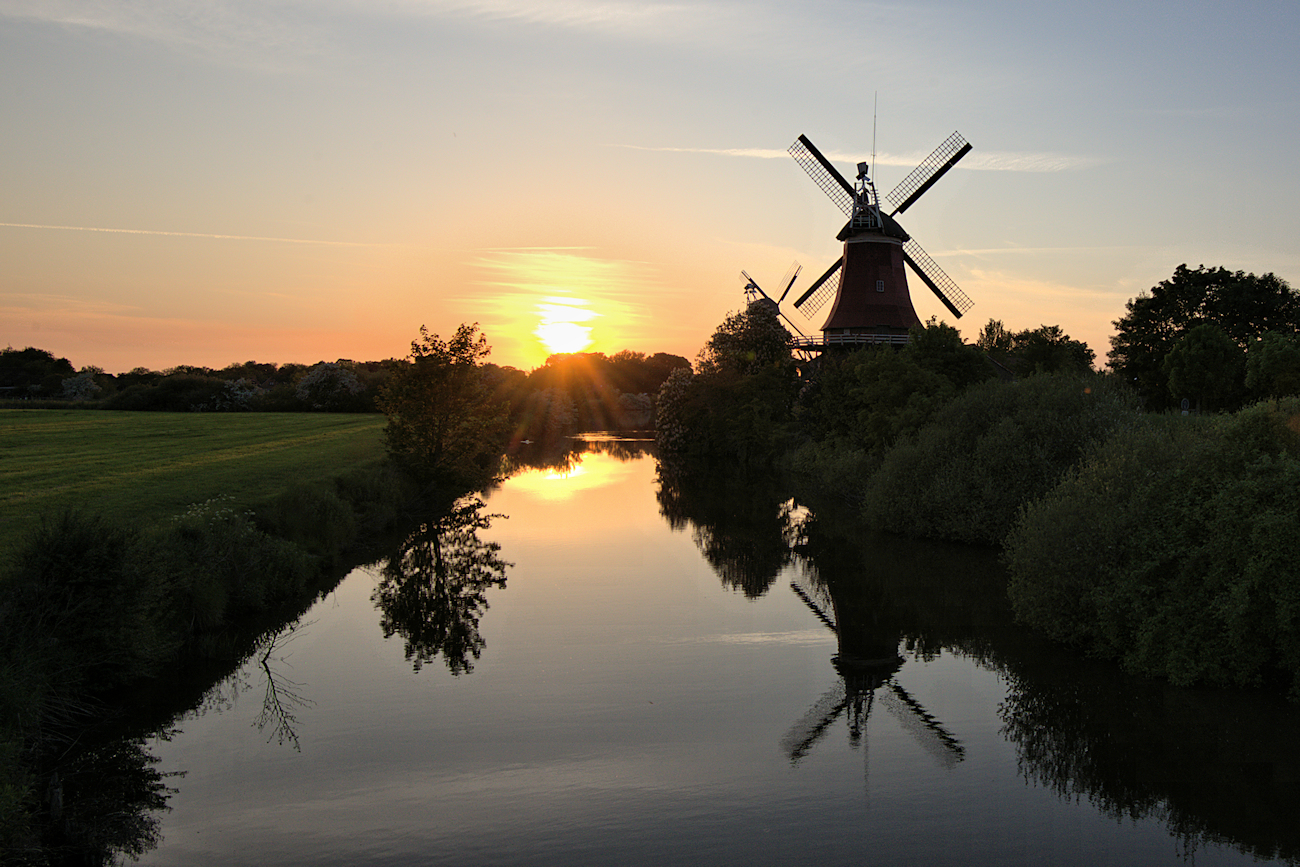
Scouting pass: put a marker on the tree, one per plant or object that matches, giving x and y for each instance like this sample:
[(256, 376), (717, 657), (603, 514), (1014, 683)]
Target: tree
[(938, 347), (1273, 365), (330, 385), (1045, 349), (444, 423), (1243, 305), (747, 342), (1204, 364), (31, 371)]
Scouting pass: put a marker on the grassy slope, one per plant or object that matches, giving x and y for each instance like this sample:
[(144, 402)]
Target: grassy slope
[(149, 466)]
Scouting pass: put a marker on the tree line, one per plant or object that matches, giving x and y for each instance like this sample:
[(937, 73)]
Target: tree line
[(569, 392)]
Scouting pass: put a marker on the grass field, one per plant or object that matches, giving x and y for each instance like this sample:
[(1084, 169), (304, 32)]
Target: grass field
[(147, 466)]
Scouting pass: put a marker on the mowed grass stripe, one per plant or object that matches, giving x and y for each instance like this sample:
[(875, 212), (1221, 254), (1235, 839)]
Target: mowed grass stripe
[(150, 466), (97, 470), (121, 457)]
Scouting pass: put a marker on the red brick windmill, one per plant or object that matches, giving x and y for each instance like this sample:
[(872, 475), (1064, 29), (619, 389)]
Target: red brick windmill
[(872, 302)]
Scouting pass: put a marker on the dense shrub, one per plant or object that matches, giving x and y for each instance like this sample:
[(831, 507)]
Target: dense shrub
[(86, 596), (725, 418), (223, 565), (995, 447), (1173, 549)]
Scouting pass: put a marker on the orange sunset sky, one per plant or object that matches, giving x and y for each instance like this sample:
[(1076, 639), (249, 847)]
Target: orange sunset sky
[(209, 182)]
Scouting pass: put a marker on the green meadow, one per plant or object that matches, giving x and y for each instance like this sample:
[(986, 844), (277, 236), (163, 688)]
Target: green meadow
[(146, 466)]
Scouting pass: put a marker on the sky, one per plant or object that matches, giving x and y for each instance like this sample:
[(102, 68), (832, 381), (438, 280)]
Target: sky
[(209, 182)]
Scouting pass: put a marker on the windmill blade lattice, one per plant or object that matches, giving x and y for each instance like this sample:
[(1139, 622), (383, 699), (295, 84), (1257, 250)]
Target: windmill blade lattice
[(754, 292), (918, 722), (813, 725), (933, 276), (818, 298), (788, 280), (824, 174), (933, 167)]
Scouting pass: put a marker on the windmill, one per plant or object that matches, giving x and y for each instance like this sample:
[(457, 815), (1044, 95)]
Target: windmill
[(755, 294), (872, 302), (867, 666)]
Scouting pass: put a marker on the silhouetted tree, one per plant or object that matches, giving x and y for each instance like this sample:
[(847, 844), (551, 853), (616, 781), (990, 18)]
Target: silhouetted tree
[(444, 424), (32, 372), (1243, 305), (746, 342), (1045, 349), (1273, 365)]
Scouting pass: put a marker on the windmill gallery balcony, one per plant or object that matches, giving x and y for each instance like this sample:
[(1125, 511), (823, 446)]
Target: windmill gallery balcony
[(807, 346)]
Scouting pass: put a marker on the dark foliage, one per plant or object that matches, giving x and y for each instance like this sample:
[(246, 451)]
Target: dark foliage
[(734, 411), (1172, 549), (1046, 349), (32, 372), (985, 454), (445, 423), (1243, 305)]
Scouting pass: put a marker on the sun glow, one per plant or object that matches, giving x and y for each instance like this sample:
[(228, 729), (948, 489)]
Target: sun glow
[(559, 327)]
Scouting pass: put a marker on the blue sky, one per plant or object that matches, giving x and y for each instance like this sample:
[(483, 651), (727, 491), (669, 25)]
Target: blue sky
[(296, 181)]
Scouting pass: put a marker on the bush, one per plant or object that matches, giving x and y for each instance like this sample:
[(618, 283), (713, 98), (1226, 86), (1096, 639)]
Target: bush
[(994, 448), (313, 517), (225, 565), (725, 418), (1172, 549), (86, 596)]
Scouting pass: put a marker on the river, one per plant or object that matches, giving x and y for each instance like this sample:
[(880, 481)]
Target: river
[(603, 667)]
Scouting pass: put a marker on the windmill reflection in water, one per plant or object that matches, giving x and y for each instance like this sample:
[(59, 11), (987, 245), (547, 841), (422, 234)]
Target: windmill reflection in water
[(867, 662)]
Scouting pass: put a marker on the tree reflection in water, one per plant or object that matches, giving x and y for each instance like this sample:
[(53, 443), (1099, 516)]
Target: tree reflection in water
[(745, 527), (283, 697), (433, 588), (102, 800), (563, 454)]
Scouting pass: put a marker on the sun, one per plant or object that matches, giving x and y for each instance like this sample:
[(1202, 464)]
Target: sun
[(559, 325)]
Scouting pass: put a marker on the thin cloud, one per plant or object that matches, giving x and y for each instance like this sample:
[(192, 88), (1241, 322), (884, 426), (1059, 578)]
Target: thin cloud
[(990, 161), (619, 16), (252, 34), (198, 235), (759, 153)]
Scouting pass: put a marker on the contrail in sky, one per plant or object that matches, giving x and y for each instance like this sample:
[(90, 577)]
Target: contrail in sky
[(196, 235)]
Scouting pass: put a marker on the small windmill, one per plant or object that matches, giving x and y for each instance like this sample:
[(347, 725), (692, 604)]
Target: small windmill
[(755, 294), (872, 302)]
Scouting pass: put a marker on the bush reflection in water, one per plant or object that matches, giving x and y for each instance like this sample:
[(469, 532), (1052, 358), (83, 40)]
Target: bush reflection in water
[(1215, 766)]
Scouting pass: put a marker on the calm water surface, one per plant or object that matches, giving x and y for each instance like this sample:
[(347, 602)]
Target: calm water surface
[(666, 676)]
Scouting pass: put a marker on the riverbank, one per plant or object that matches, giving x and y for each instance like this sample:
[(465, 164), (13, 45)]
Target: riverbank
[(104, 597)]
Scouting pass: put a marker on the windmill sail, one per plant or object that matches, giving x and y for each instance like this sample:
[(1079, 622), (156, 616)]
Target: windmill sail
[(824, 174), (818, 297), (788, 280), (933, 276), (933, 167), (924, 728)]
